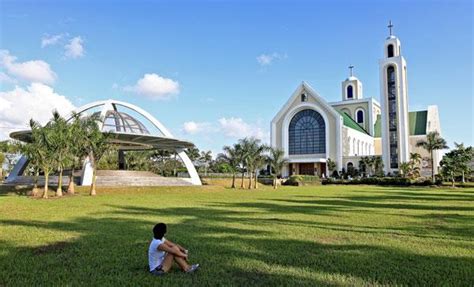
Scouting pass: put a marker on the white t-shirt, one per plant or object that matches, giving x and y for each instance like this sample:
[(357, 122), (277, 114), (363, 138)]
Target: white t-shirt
[(155, 256)]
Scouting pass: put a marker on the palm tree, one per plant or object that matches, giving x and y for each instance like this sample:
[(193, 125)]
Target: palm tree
[(61, 138), (377, 163), (259, 161), (231, 157), (31, 151), (42, 138), (331, 166), (76, 147), (242, 151), (433, 142), (253, 151), (205, 158), (277, 161), (364, 164), (193, 154), (96, 145), (404, 168), (415, 160)]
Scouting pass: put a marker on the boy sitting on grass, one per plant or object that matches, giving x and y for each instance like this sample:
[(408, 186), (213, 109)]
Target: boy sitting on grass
[(162, 252)]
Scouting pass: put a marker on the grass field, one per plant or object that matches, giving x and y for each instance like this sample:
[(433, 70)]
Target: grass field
[(323, 235)]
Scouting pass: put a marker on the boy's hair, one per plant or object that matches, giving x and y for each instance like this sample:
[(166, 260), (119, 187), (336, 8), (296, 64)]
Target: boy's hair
[(159, 231)]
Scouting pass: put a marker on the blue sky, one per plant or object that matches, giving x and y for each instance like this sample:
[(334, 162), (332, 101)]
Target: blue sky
[(226, 67)]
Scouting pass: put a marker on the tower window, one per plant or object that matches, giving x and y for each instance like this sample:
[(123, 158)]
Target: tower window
[(392, 117), (304, 97), (360, 117), (350, 93), (390, 51)]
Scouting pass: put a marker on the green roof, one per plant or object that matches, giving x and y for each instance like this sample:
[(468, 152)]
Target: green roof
[(416, 122), (350, 123), (378, 127)]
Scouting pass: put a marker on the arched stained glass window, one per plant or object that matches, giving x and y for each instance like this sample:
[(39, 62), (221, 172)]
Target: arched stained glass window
[(350, 92), (307, 133)]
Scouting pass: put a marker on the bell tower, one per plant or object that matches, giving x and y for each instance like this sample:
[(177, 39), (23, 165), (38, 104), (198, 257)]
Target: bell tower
[(394, 104), (351, 87)]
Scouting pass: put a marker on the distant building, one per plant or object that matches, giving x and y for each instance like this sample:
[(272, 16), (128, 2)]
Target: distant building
[(310, 130)]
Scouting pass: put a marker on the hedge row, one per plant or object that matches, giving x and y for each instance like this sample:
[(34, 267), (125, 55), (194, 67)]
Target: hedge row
[(397, 181)]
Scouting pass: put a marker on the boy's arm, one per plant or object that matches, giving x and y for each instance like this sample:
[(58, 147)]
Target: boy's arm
[(171, 244), (173, 249)]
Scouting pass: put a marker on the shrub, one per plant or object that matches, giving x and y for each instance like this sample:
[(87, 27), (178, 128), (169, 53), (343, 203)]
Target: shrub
[(394, 181), (298, 180), (294, 180)]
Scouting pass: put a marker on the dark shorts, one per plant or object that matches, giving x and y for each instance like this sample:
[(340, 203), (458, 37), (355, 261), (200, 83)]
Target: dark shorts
[(158, 271)]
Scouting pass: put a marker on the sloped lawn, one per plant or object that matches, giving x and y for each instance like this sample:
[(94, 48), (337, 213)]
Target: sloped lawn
[(324, 235)]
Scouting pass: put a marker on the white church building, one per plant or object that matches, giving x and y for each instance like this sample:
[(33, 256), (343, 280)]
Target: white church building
[(311, 130)]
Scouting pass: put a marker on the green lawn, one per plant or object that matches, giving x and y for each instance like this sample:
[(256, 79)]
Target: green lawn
[(324, 235)]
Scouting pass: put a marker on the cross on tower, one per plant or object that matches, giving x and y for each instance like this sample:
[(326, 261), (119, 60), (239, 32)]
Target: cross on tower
[(350, 69), (390, 26)]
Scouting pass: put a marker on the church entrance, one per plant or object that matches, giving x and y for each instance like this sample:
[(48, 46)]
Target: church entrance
[(306, 168)]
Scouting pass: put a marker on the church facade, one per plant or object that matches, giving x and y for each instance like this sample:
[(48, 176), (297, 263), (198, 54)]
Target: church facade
[(311, 130)]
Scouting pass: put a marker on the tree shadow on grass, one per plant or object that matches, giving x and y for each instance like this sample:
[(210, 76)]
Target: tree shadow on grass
[(20, 190), (111, 250)]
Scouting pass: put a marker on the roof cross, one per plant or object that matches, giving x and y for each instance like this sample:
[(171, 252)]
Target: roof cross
[(350, 69), (390, 26)]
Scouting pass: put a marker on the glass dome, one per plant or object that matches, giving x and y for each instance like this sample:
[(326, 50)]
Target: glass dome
[(121, 122)]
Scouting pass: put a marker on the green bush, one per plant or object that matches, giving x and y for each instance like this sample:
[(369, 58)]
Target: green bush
[(395, 181), (299, 180)]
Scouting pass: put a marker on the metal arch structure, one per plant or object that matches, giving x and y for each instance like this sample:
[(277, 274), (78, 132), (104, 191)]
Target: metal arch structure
[(109, 105)]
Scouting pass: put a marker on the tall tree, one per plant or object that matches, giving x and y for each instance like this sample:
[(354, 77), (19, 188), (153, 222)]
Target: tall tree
[(231, 157), (465, 156), (259, 161), (253, 149), (95, 146), (432, 143), (61, 137), (43, 141), (450, 166), (32, 151), (205, 158), (277, 161), (377, 164), (193, 154), (76, 145), (241, 149)]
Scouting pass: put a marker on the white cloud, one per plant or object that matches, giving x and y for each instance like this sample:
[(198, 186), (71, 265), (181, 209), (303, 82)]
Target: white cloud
[(193, 127), (37, 101), (232, 127), (238, 128), (52, 40), (4, 78), (155, 87), (267, 59), (33, 71), (75, 48)]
